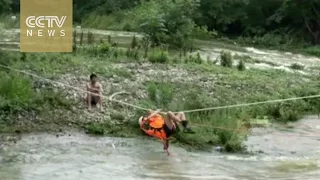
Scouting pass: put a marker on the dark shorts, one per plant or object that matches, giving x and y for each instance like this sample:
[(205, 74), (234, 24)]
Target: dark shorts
[(169, 132), (94, 100)]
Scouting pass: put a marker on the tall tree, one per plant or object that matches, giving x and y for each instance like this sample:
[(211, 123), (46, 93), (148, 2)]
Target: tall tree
[(301, 15)]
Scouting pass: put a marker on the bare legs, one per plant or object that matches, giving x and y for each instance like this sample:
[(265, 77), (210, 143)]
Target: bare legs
[(94, 98), (89, 100), (100, 101), (179, 117), (174, 118), (171, 119)]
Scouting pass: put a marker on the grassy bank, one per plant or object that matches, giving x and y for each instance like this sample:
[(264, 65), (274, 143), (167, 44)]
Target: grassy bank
[(154, 80)]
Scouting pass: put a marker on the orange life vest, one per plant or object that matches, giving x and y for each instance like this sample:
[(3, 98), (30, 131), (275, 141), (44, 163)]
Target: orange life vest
[(156, 121), (155, 128)]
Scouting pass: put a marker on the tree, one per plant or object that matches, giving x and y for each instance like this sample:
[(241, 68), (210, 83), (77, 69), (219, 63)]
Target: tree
[(220, 14), (299, 13), (167, 22), (5, 6)]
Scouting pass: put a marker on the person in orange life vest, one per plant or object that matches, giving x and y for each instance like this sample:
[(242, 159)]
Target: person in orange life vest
[(169, 124)]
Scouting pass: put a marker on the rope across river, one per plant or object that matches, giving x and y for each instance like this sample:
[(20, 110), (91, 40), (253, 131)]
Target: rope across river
[(111, 98)]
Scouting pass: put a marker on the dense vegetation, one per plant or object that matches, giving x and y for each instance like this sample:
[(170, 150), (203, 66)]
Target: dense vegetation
[(274, 23)]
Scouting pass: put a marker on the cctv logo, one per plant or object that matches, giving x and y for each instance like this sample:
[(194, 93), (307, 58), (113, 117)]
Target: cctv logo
[(31, 21), (48, 23)]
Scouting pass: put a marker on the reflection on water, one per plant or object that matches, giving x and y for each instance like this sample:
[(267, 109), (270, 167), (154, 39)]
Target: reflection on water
[(81, 157)]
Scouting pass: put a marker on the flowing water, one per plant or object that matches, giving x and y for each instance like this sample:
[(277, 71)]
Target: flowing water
[(207, 49), (75, 156)]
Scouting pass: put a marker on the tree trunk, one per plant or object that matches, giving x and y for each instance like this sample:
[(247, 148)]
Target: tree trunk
[(313, 31)]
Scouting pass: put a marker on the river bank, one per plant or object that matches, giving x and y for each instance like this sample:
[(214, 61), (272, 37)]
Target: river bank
[(158, 81)]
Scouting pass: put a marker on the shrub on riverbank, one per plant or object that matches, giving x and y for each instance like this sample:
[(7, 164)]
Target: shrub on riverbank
[(226, 59), (158, 56)]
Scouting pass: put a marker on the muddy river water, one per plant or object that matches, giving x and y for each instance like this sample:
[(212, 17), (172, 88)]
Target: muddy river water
[(286, 153)]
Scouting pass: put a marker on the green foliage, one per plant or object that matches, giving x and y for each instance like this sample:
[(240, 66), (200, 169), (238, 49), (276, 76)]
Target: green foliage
[(203, 33), (194, 59), (314, 50), (5, 6), (96, 128), (271, 22), (90, 38), (15, 90), (160, 93), (158, 56), (127, 27), (241, 65), (134, 42), (19, 95), (297, 66), (226, 59), (117, 116), (167, 21), (23, 56), (306, 14)]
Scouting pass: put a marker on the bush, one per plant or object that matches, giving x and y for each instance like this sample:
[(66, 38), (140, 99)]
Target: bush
[(313, 50), (90, 38), (104, 49), (203, 33), (197, 59), (287, 111), (166, 22), (226, 59), (297, 66), (241, 66), (127, 27), (159, 57), (16, 91), (18, 96), (134, 42), (219, 127)]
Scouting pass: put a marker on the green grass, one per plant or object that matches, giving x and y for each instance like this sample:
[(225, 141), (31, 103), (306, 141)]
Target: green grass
[(312, 50), (231, 86), (19, 97)]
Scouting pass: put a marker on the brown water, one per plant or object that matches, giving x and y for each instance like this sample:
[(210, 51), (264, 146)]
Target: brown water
[(77, 156)]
